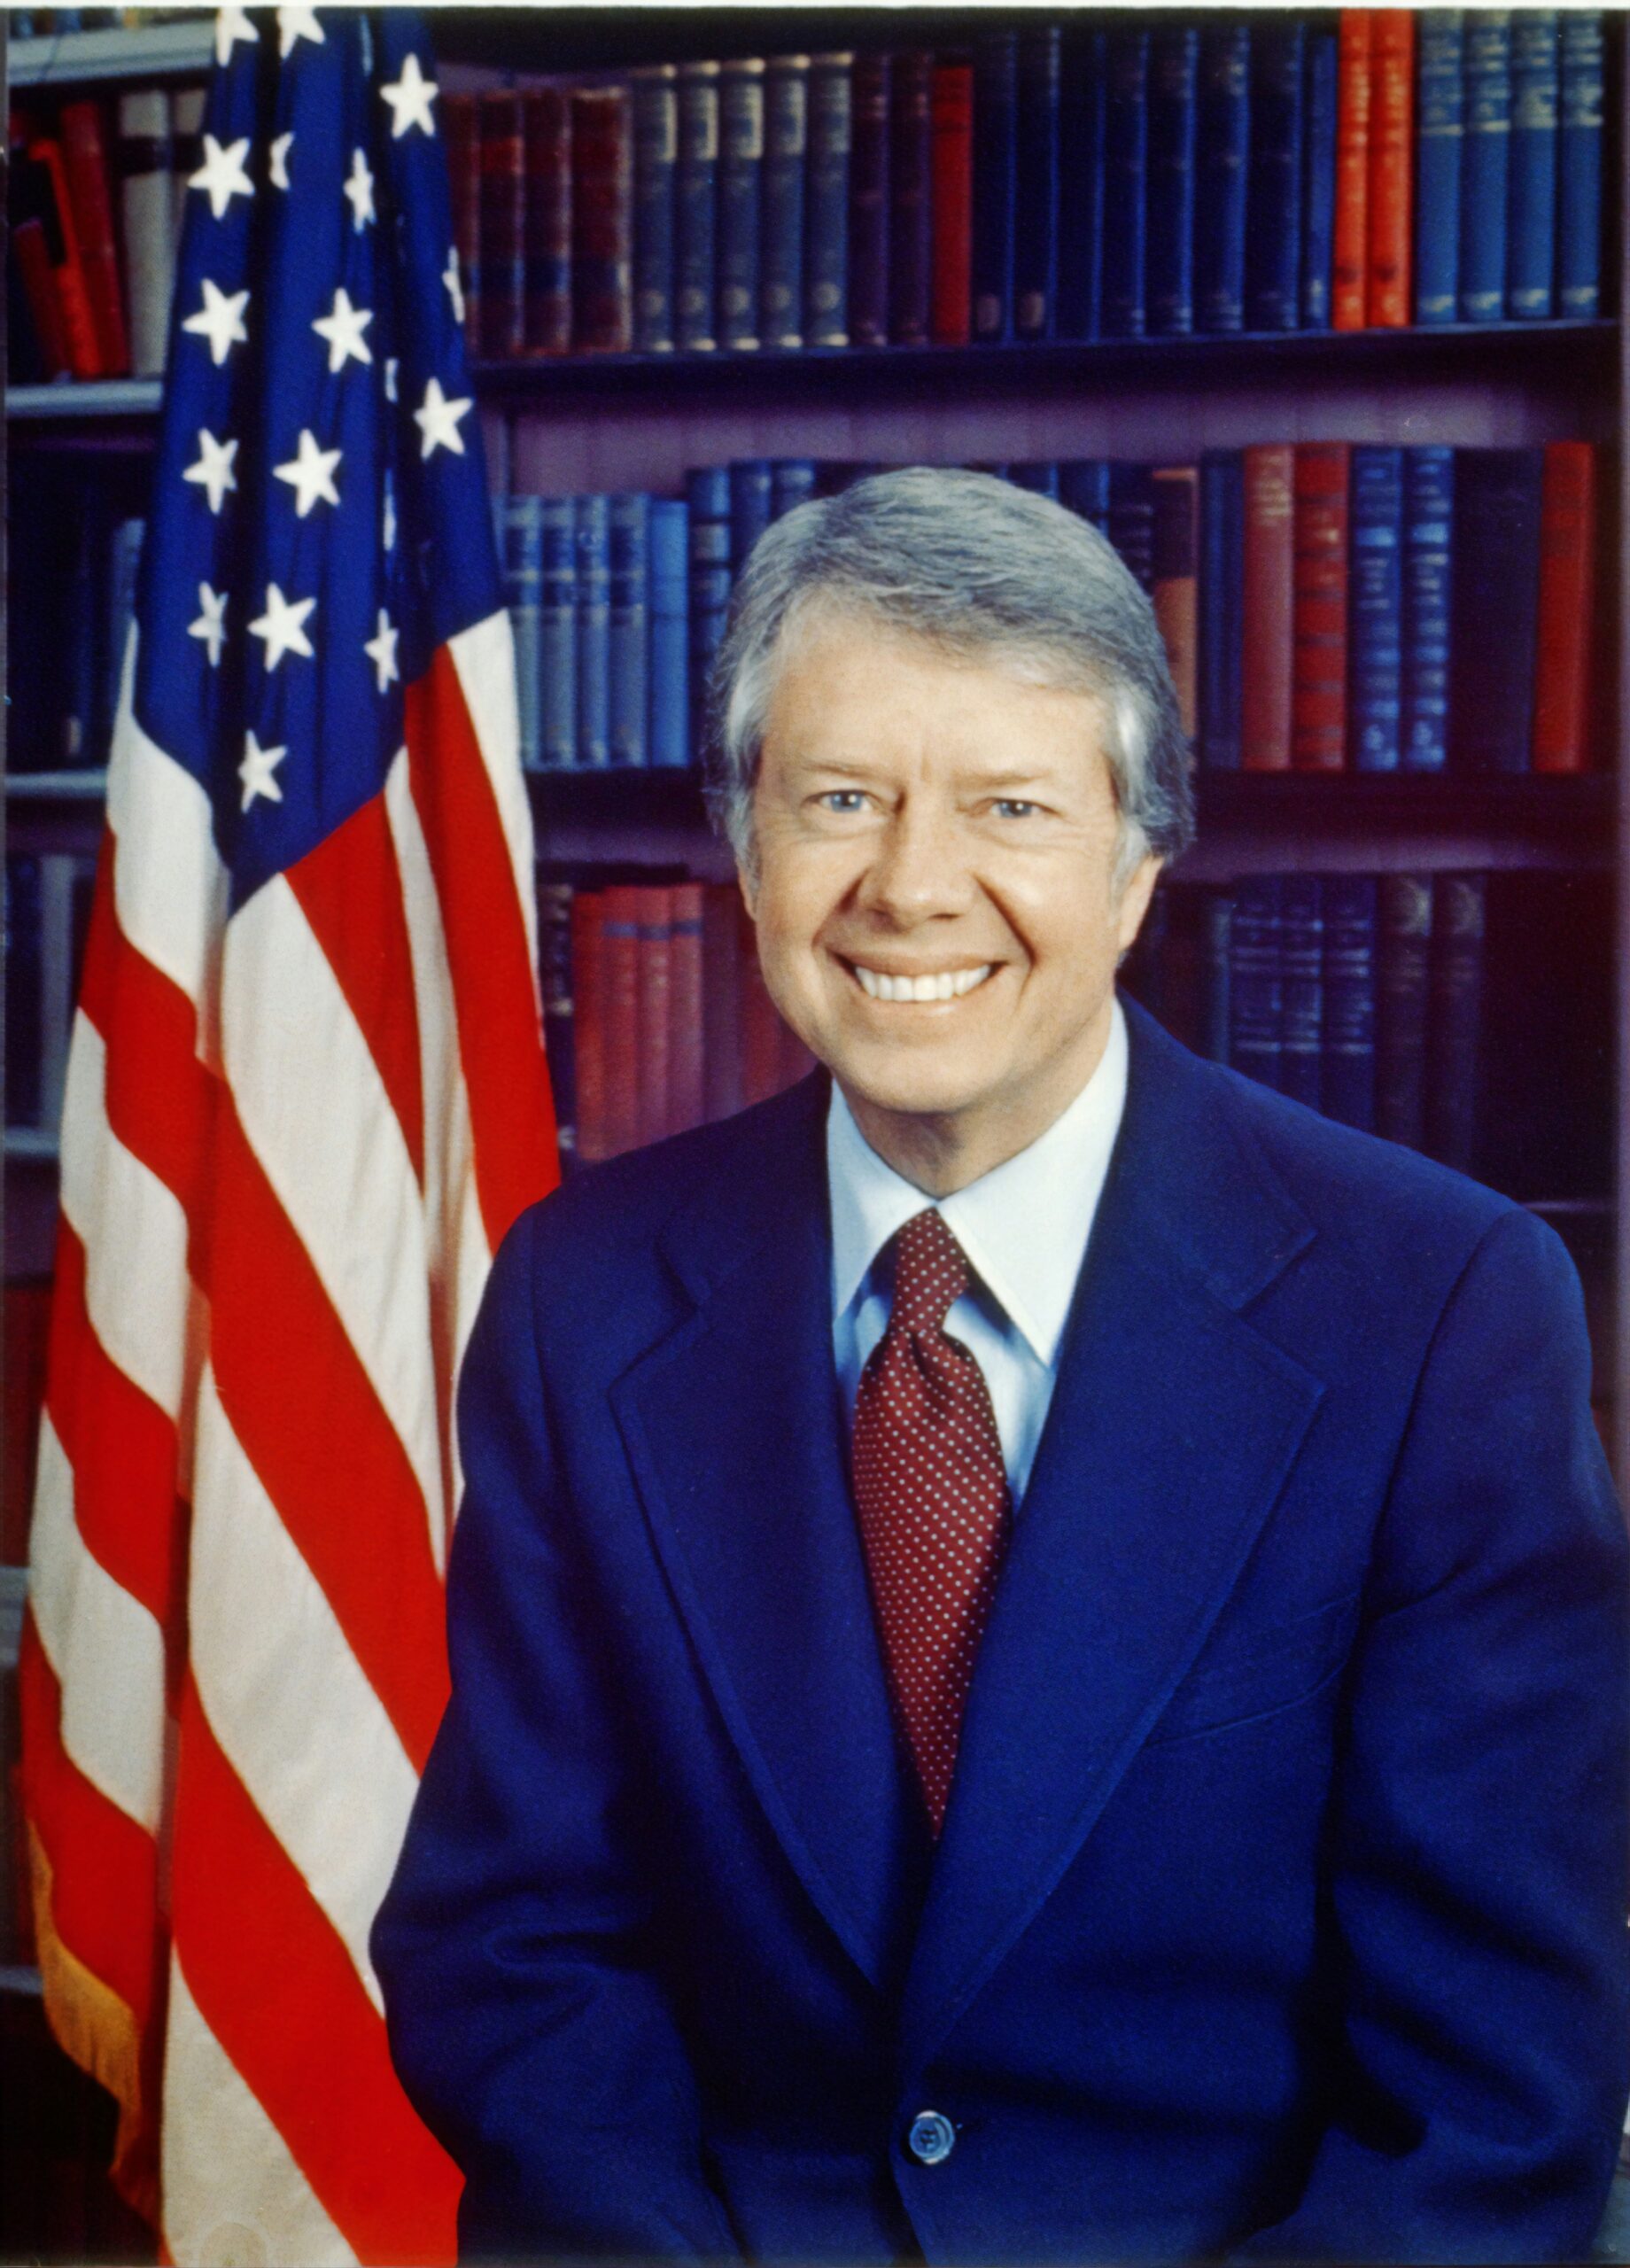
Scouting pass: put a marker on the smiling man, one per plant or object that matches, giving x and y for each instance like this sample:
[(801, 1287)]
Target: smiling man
[(1037, 1633)]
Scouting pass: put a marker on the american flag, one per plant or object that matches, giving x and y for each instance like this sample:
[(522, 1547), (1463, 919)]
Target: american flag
[(306, 1098)]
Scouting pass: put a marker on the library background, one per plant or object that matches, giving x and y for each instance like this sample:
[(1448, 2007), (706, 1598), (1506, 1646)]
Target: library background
[(1319, 317)]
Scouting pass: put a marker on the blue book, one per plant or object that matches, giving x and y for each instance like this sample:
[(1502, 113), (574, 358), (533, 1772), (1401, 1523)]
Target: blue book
[(84, 727), (24, 990), (707, 495), (1439, 153), (1375, 610), (1494, 604), (656, 147), (668, 724), (1347, 1061), (1126, 159), (1040, 475), (1428, 552), (1578, 164), (1320, 85), (1083, 487), (1222, 618), (1169, 248), (1256, 981), (1274, 191), (780, 253), (741, 171), (1302, 988), (751, 487), (592, 535), (792, 483), (557, 637), (628, 651), (1131, 519), (1222, 147), (1035, 187), (1485, 180), (1080, 184), (696, 216), (826, 211), (523, 561), (1531, 215), (124, 572), (1215, 1018), (996, 100)]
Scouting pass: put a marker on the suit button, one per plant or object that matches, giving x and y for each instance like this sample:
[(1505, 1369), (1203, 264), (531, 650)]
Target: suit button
[(932, 2137)]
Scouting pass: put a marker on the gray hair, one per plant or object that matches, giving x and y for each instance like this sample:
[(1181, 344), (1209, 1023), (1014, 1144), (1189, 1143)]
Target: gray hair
[(987, 571)]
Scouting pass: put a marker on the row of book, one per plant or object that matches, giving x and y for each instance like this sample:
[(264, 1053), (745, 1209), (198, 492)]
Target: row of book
[(96, 193), (47, 918), (71, 604), (1162, 176)]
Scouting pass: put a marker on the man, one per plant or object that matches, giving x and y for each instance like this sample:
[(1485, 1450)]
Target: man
[(1037, 1633)]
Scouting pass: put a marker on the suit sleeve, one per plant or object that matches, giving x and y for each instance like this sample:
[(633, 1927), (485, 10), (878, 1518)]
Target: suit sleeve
[(526, 2019), (1478, 1837)]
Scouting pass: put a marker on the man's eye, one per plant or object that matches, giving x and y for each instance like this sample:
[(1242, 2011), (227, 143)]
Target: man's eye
[(1014, 807), (844, 799)]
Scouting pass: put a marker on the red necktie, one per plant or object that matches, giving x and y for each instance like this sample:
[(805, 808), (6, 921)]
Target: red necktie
[(931, 1492)]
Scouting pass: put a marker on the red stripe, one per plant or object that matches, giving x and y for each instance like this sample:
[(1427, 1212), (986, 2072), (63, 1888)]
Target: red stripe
[(306, 1415), (349, 889), (501, 1045), (277, 1989)]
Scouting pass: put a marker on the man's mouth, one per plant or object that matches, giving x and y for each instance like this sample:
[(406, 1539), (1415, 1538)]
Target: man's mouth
[(937, 984)]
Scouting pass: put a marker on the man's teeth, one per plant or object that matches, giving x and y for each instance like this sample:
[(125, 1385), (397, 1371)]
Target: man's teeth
[(949, 984)]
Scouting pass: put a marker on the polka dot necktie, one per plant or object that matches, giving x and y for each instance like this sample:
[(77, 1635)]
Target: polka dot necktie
[(931, 1492)]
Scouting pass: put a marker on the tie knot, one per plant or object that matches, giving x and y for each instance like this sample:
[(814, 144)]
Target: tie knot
[(930, 1274)]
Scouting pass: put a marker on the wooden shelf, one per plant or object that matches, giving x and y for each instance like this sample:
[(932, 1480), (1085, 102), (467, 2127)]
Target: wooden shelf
[(84, 402), (88, 787), (36, 1145), (160, 50)]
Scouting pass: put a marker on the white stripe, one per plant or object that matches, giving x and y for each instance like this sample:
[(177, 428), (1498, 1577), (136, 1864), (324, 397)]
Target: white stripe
[(289, 1706), (314, 1111), (105, 1648), (232, 2190), (484, 655)]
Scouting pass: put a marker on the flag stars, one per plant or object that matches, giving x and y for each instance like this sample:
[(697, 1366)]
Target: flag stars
[(214, 472), (278, 166), (343, 327), (455, 290), (359, 189), (232, 24), (257, 771), (220, 319), (296, 24), (282, 626), (222, 176), (437, 421), (211, 626), (410, 99), (310, 473), (381, 650)]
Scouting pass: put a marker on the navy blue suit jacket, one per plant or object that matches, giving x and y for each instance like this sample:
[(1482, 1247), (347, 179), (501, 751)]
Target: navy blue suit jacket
[(1280, 1905)]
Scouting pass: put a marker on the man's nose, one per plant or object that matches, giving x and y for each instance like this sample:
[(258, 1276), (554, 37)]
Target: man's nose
[(921, 867)]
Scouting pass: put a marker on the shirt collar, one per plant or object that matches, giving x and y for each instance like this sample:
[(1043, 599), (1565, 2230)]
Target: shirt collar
[(1024, 1225)]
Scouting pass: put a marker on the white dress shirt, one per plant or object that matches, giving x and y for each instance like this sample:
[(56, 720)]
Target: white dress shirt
[(1024, 1228)]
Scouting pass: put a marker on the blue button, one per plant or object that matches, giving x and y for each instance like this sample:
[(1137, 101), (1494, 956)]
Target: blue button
[(932, 2137)]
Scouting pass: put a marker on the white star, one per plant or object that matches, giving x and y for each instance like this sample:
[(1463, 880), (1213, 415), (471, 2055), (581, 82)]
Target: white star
[(211, 626), (343, 328), (296, 24), (381, 650), (391, 366), (410, 99), (310, 474), (213, 470), (222, 176), (279, 169), (220, 319), (256, 772), (359, 187), (282, 626), (232, 24), (437, 421), (388, 525), (455, 290)]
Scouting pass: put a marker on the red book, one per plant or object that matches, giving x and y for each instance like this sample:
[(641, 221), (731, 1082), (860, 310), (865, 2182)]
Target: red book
[(503, 288), (1392, 152), (1567, 605), (32, 253), (761, 1026), (953, 204), (588, 1022), (1319, 676), (1267, 606), (655, 1009), (602, 220), (79, 327), (84, 150), (462, 124), (1349, 293), (721, 998), (1175, 594), (620, 1019), (547, 115), (685, 1090)]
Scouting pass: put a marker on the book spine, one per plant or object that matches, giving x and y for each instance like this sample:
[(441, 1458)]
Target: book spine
[(1084, 488), (911, 201), (554, 979), (1392, 156), (1354, 96), (461, 117), (29, 270), (603, 196), (1268, 585), (1440, 140), (557, 636), (751, 490), (547, 125), (1321, 76), (23, 1099), (1222, 149), (79, 322), (523, 557), (1531, 212), (1403, 958), (1126, 159), (124, 572), (740, 169), (996, 104), (1301, 978), (629, 632), (656, 153), (591, 537), (787, 116), (1348, 1070), (792, 483), (1081, 182), (654, 1014), (1175, 590), (588, 951), (951, 232), (1578, 164), (1216, 1011), (868, 205), (188, 105), (686, 1044), (670, 712), (1041, 477), (1459, 916), (1273, 197), (1319, 698), (1036, 183), (84, 147), (1131, 520), (1486, 165), (721, 999), (1222, 574), (1376, 601), (707, 498), (1428, 524), (1174, 59), (1496, 607), (620, 1017), (831, 133), (696, 209), (1567, 607), (502, 288), (1255, 980), (85, 727)]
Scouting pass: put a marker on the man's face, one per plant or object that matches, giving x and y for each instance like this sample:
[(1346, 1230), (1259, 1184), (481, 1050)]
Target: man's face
[(931, 825)]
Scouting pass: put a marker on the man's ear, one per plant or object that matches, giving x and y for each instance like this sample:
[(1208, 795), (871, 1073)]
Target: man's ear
[(1135, 898)]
